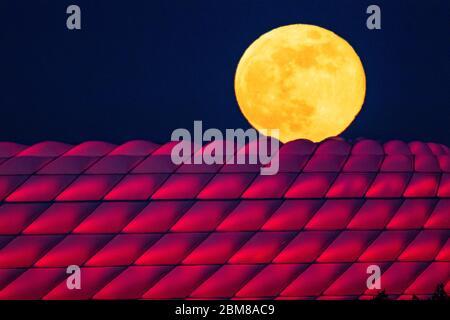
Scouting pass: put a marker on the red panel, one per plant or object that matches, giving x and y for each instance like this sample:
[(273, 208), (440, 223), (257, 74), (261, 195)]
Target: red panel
[(171, 248), (9, 183), (314, 280), (427, 281), (440, 218), (45, 149), (305, 247), (352, 281), (182, 186), (444, 186), (23, 165), (334, 214), (348, 246), (444, 254), (249, 215), (116, 214), (426, 163), (226, 281), (419, 148), (132, 283), (367, 146), (8, 275), (10, 149), (203, 216), (310, 185), (93, 279), (292, 215), (33, 284), (396, 147), (68, 165), (374, 214), (157, 216), (291, 162), (16, 217), (136, 187), (74, 249), (114, 165), (399, 276), (269, 186), (422, 185), (444, 163), (156, 164), (180, 282), (60, 218), (334, 146), (135, 148), (301, 146), (262, 247), (363, 163), (350, 185), (90, 187), (388, 185), (271, 280), (217, 248), (23, 251), (425, 246), (325, 163), (40, 188), (123, 250), (388, 246), (91, 149), (398, 163), (412, 214), (226, 186)]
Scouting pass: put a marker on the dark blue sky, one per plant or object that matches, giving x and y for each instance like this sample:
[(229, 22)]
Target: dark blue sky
[(139, 69)]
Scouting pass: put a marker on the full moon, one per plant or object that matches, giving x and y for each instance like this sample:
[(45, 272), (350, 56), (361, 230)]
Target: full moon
[(302, 79)]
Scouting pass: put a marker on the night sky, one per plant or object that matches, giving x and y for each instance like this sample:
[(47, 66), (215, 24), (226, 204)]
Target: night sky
[(140, 69)]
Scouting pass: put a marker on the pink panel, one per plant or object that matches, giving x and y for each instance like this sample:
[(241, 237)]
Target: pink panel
[(325, 163), (412, 214), (156, 164), (217, 248), (91, 149), (180, 282), (292, 215), (350, 185), (347, 247), (40, 188), (33, 284), (301, 146), (68, 165), (396, 147), (374, 214), (444, 162), (23, 251), (136, 187), (334, 146), (226, 186), (388, 185), (422, 185), (226, 281), (16, 217), (9, 149), (249, 215), (271, 280), (91, 187), (305, 247), (436, 148), (203, 216), (114, 165), (310, 185), (60, 218), (363, 163), (352, 281), (132, 283), (398, 163), (116, 214), (45, 149), (8, 275), (334, 214), (179, 245), (135, 148), (23, 165), (262, 247), (182, 186), (366, 146), (157, 216), (269, 186), (444, 254), (123, 250), (93, 279), (73, 249), (292, 162), (427, 281), (9, 183), (426, 163), (388, 246), (440, 218), (425, 246), (444, 186), (314, 280), (419, 148)]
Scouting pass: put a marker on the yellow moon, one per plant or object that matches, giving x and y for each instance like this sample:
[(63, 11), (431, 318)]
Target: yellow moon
[(302, 79)]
